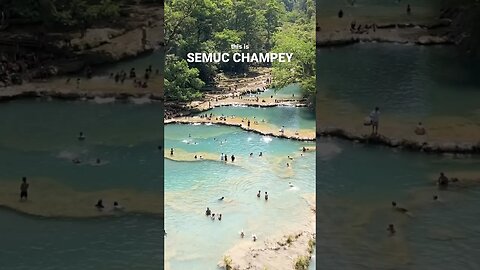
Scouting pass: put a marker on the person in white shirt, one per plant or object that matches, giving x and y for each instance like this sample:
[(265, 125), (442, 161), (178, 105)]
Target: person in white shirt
[(374, 119)]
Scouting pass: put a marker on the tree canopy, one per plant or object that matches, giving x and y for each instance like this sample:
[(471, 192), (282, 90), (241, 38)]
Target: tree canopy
[(265, 25), (73, 13)]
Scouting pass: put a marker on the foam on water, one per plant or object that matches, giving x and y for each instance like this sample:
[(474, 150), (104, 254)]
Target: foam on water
[(187, 194), (39, 141), (291, 117)]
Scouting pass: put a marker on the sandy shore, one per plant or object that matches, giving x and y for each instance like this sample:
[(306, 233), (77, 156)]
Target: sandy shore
[(256, 126), (388, 33), (278, 252), (51, 199), (424, 26), (97, 87)]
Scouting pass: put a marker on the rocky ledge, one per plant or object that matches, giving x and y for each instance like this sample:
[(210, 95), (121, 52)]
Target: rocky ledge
[(427, 147)]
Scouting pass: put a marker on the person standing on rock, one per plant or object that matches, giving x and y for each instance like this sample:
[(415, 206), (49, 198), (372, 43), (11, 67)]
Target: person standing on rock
[(374, 119), (144, 37)]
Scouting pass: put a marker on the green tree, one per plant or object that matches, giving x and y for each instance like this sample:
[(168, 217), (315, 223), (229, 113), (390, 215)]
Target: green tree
[(181, 82), (273, 13), (298, 39)]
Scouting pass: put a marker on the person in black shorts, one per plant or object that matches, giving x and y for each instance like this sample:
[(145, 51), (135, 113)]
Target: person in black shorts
[(24, 189)]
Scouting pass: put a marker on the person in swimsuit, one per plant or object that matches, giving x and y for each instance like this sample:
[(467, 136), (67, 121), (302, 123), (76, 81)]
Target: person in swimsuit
[(208, 212), (391, 229), (99, 205), (266, 196), (399, 209), (420, 129), (81, 136), (259, 194), (24, 189), (117, 206), (442, 180)]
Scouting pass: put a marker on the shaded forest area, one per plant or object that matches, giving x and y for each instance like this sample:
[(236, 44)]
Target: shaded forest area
[(42, 38), (207, 26)]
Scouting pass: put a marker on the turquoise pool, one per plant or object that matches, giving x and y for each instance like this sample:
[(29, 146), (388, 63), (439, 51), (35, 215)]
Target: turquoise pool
[(407, 81), (194, 241), (39, 140), (291, 117), (356, 184)]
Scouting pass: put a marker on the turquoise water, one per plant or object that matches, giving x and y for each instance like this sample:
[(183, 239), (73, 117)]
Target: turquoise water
[(292, 91), (410, 81), (196, 242), (39, 140), (291, 117), (129, 242), (356, 184)]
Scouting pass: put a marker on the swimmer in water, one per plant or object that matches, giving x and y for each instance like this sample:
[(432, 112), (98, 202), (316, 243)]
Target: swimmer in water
[(208, 212), (420, 130), (290, 184), (261, 154), (117, 206), (213, 216), (399, 209), (81, 136), (391, 229), (99, 205), (288, 165), (76, 161), (221, 199), (220, 217), (259, 194), (98, 161), (266, 196), (289, 157), (435, 197), (442, 180)]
